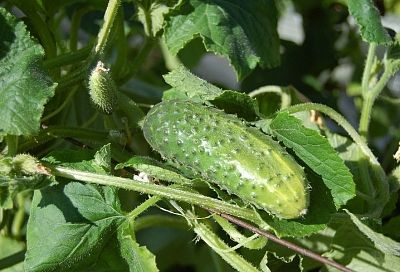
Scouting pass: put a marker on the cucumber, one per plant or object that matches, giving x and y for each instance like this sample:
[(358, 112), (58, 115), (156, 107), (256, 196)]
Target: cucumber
[(224, 150), (102, 89)]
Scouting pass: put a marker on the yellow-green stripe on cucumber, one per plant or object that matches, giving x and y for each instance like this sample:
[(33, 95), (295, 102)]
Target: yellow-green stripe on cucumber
[(225, 151)]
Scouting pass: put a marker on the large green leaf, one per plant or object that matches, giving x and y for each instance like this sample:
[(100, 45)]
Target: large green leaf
[(70, 224), (243, 31), (317, 153), (25, 87), (368, 19)]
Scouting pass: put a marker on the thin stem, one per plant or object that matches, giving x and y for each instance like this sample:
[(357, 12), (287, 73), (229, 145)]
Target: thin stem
[(222, 249), (367, 69), (287, 244), (139, 59), (75, 23), (143, 207), (30, 8), (148, 221), (391, 100), (369, 100), (62, 106), (149, 23), (12, 259), (12, 145), (19, 217), (73, 78), (122, 46), (109, 17), (341, 121), (91, 119), (285, 96), (68, 58), (157, 190)]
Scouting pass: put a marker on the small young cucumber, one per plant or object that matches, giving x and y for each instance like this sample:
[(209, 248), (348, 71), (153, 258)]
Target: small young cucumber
[(102, 89), (223, 150)]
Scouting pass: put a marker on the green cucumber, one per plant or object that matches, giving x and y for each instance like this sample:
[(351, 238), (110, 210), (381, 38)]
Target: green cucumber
[(224, 150), (102, 89)]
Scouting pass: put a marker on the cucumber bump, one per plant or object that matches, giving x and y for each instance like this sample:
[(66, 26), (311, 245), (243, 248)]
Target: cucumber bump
[(224, 150)]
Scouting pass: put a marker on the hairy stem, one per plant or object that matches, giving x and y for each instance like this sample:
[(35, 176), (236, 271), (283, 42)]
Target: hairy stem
[(143, 207), (222, 249), (157, 190), (109, 17), (369, 100), (368, 65)]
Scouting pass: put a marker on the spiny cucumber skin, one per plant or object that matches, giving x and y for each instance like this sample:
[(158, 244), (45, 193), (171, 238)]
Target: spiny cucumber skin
[(223, 150), (102, 89)]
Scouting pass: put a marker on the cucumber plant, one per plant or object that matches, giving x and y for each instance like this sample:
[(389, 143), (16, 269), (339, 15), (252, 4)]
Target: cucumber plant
[(114, 156)]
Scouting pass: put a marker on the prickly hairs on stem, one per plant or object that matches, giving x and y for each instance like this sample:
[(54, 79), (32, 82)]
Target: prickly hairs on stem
[(102, 89)]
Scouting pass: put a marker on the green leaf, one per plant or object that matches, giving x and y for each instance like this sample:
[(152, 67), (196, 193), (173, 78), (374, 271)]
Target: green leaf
[(317, 153), (243, 31), (157, 11), (237, 103), (25, 86), (139, 258), (381, 242), (110, 259), (188, 86), (155, 169), (80, 217), (352, 248), (76, 216), (395, 179), (391, 228), (392, 57), (103, 158), (366, 181), (368, 19), (193, 87)]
